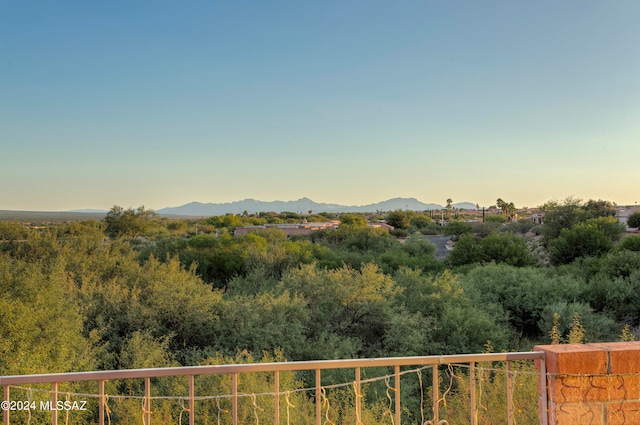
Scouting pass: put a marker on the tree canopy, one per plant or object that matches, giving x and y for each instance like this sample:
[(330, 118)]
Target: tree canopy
[(128, 223)]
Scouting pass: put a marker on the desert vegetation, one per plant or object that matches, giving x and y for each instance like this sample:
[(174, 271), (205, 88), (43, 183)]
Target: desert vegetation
[(138, 290)]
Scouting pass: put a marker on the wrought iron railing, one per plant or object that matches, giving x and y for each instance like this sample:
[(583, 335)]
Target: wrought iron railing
[(397, 365)]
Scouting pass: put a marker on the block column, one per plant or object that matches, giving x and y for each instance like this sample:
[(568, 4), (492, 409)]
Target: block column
[(595, 384)]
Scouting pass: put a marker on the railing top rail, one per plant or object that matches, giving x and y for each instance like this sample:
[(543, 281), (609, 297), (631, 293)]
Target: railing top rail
[(267, 367)]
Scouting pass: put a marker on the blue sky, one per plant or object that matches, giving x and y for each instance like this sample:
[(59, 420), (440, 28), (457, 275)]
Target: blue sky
[(162, 103)]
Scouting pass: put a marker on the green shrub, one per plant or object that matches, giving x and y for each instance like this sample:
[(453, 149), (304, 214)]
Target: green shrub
[(631, 243), (634, 220), (582, 240), (457, 228), (597, 326)]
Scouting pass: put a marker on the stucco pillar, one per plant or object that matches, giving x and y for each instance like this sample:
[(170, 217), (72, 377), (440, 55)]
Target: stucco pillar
[(595, 384)]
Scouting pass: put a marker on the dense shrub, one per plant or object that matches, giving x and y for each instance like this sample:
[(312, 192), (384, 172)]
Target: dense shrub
[(597, 326), (500, 248), (632, 243), (522, 293), (634, 220), (457, 228), (582, 240)]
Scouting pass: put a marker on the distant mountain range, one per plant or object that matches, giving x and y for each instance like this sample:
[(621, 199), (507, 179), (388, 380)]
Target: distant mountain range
[(303, 205)]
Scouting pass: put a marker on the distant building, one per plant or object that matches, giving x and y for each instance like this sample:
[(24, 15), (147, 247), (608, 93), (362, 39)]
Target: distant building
[(537, 217), (381, 225)]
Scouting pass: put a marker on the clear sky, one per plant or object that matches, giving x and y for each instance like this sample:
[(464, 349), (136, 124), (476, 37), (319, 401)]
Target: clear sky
[(163, 102)]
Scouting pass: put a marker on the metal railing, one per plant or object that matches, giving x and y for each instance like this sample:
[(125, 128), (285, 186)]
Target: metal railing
[(433, 362)]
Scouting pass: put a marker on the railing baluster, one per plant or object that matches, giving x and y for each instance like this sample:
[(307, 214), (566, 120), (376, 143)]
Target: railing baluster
[(318, 398), (101, 402), (5, 397), (276, 413), (234, 398), (54, 403), (192, 400), (509, 395), (436, 396), (472, 393), (396, 383), (147, 401), (358, 397)]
